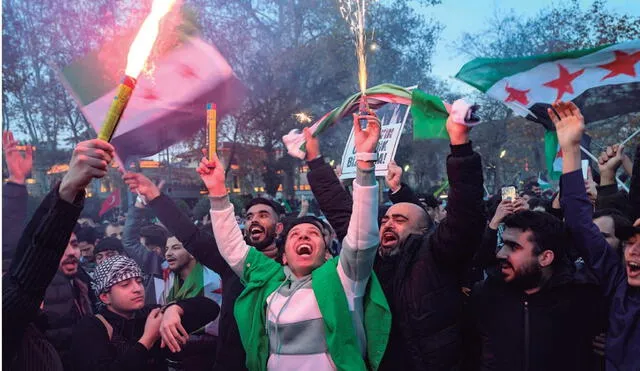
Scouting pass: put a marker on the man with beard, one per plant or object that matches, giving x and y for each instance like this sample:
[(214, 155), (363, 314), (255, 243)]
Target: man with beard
[(230, 354), (420, 272), (535, 314), (618, 279), (47, 245), (262, 225), (87, 240), (67, 299)]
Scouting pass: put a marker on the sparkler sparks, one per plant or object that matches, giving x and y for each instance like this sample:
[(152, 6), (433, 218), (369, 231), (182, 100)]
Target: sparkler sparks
[(354, 11), (303, 117)]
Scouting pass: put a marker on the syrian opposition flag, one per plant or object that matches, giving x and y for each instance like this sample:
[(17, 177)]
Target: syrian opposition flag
[(113, 200), (429, 114), (167, 105), (603, 82)]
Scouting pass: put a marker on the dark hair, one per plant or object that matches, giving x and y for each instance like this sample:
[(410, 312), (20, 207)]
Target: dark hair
[(87, 234), (621, 223), (548, 232), (430, 200), (155, 235), (276, 207), (538, 202), (109, 243)]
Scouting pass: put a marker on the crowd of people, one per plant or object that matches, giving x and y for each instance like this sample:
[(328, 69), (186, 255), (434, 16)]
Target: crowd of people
[(543, 281)]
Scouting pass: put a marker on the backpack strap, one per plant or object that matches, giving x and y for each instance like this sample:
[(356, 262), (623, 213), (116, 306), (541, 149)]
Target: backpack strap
[(106, 324)]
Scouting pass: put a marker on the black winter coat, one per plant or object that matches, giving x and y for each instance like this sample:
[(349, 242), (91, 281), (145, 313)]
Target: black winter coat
[(422, 284), (549, 330), (92, 350)]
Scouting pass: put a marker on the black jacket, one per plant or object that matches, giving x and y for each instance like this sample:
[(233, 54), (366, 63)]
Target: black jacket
[(66, 301), (92, 350), (230, 353), (14, 215), (549, 330), (36, 261), (422, 284)]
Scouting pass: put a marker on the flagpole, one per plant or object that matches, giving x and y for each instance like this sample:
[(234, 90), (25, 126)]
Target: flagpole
[(591, 156), (630, 137)]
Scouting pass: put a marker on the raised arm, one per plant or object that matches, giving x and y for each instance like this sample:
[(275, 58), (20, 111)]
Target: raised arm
[(400, 192), (149, 261), (14, 196), (457, 237), (360, 244), (335, 201), (227, 233), (578, 210), (44, 240), (199, 243)]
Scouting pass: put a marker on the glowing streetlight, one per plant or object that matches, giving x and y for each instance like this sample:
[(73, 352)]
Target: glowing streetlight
[(406, 168), (503, 153), (374, 47)]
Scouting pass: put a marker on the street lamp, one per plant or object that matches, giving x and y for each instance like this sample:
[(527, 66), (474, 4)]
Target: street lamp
[(503, 153), (406, 168)]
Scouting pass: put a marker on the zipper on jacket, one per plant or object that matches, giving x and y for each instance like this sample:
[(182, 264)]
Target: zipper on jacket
[(526, 336)]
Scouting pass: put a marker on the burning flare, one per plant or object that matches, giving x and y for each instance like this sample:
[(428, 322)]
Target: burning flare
[(146, 37)]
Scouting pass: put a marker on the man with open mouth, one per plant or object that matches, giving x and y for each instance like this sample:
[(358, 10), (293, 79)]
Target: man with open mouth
[(620, 281), (313, 313), (420, 267), (262, 213)]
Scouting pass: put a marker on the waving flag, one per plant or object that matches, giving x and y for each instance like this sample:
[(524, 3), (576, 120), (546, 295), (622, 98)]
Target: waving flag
[(167, 106), (113, 200), (603, 82)]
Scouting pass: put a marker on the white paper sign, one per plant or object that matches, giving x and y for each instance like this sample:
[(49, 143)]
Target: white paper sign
[(392, 117)]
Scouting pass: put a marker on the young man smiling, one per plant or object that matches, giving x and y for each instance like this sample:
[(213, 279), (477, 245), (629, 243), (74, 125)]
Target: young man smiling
[(311, 314)]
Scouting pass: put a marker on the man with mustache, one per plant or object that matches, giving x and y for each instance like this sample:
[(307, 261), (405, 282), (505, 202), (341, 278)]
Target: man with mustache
[(534, 313), (47, 245), (420, 271), (67, 299), (262, 213)]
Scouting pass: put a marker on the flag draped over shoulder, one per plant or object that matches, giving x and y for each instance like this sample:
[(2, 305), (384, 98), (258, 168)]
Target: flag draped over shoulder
[(603, 82), (167, 105), (428, 112)]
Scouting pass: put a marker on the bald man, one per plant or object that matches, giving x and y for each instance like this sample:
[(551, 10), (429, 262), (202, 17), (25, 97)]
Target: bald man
[(400, 221), (420, 269)]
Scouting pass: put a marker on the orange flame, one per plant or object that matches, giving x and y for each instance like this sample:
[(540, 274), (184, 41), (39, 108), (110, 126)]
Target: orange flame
[(146, 37)]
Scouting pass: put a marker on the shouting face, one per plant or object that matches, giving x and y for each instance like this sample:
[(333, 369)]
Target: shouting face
[(69, 262), (305, 249), (261, 226), (401, 220), (518, 261), (632, 260), (177, 256)]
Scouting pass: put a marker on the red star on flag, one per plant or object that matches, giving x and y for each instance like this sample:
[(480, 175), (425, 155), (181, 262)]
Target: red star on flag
[(150, 94), (516, 95), (563, 82), (623, 64), (187, 71)]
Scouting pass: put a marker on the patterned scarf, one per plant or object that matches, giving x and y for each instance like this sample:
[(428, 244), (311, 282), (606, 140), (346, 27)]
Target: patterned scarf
[(112, 271)]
